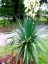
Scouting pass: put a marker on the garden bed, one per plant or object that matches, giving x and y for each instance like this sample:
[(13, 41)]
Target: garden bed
[(6, 29)]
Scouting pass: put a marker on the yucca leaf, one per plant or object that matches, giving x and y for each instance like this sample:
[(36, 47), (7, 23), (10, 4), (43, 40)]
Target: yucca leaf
[(30, 29), (34, 47), (26, 57), (25, 51), (11, 43), (30, 25), (17, 47), (19, 33), (26, 27), (35, 23), (33, 36), (39, 45), (34, 56), (41, 52), (43, 41), (21, 29), (20, 52)]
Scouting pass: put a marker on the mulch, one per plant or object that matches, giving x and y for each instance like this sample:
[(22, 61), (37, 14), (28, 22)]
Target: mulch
[(6, 29), (5, 59)]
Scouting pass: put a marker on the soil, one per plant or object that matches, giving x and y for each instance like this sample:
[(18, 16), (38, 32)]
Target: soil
[(6, 29)]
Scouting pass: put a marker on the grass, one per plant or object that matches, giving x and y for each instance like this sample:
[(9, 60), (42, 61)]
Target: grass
[(5, 50), (43, 60), (42, 19)]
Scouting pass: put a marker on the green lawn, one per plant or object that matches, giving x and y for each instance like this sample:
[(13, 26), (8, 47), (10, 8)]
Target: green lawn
[(6, 50), (43, 60), (43, 19)]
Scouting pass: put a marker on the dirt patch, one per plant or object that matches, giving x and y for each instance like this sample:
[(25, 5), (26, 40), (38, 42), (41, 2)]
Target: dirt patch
[(7, 29)]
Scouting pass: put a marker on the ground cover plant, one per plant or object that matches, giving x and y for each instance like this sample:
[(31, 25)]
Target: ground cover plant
[(1, 23), (6, 23)]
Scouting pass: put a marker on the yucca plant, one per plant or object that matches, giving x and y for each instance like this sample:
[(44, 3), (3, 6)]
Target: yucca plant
[(29, 42)]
